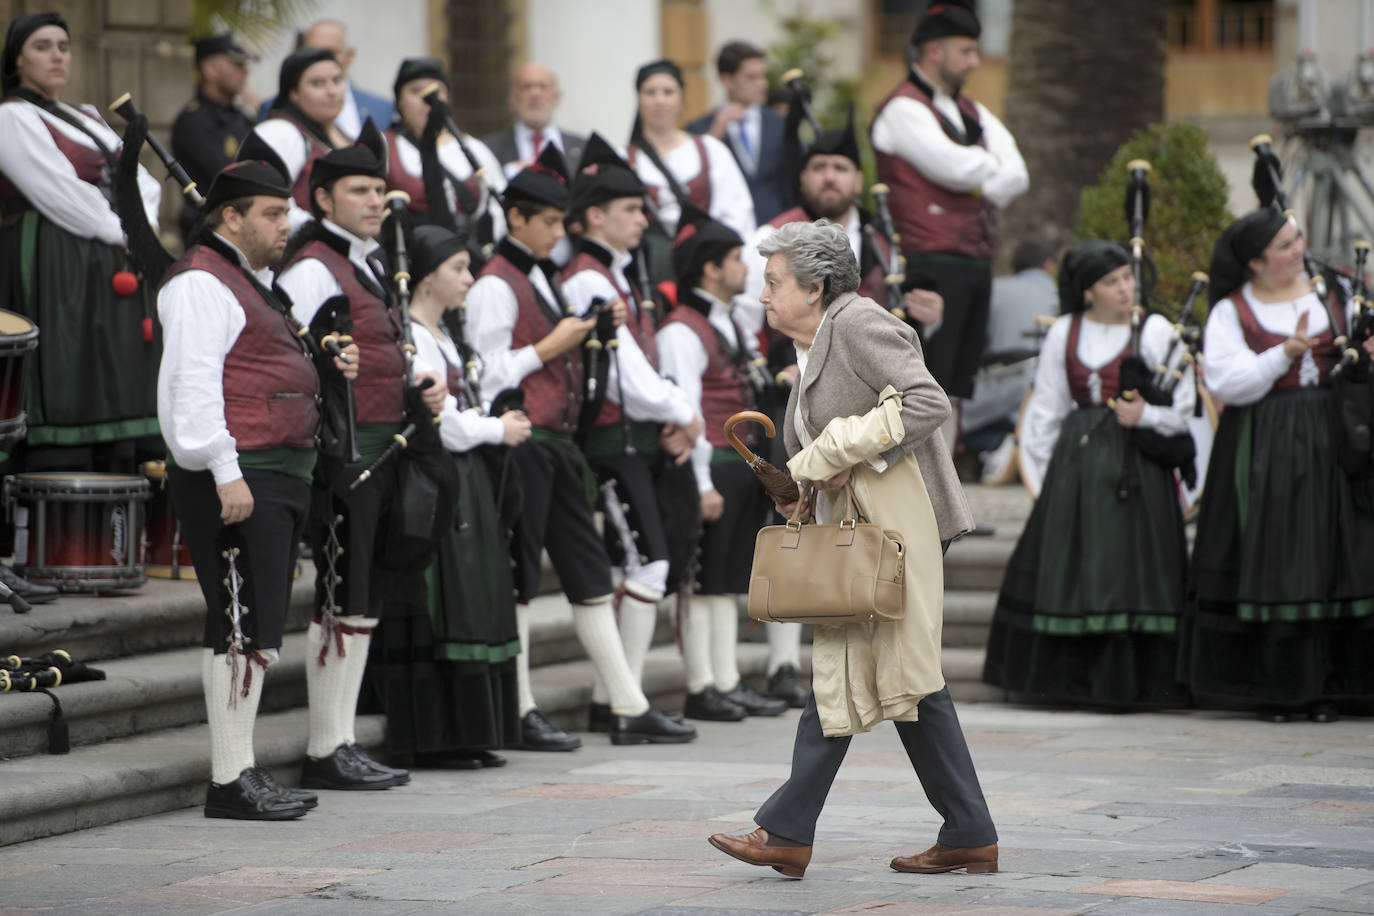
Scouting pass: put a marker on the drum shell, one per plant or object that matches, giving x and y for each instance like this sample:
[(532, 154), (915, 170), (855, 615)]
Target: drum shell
[(18, 340), (78, 531)]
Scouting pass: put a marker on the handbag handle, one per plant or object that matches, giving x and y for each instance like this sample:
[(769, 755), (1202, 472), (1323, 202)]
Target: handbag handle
[(851, 516), (807, 499)]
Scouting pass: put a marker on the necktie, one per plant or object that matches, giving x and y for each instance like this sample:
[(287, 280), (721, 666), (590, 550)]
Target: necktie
[(538, 141)]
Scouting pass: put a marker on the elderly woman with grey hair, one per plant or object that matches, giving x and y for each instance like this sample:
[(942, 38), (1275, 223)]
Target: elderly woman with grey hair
[(866, 411)]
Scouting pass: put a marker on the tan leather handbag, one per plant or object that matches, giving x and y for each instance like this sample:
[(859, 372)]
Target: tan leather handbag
[(852, 572)]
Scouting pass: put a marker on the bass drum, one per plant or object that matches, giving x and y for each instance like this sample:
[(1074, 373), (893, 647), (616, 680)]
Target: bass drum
[(1203, 430)]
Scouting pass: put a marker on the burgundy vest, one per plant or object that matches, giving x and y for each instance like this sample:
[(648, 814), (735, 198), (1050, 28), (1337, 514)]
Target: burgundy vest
[(379, 389), (1079, 374), (932, 219), (88, 163), (271, 389), (640, 321), (300, 191), (699, 188), (1324, 352), (553, 395), (398, 179), (724, 389), (873, 284)]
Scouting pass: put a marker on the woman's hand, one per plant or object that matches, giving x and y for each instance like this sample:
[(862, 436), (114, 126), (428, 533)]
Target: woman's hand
[(1298, 344), (712, 505), (838, 481), (924, 305), (1130, 407), (516, 427), (434, 395), (349, 369)]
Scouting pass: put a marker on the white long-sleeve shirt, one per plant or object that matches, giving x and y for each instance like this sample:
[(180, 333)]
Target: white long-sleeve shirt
[(906, 128), (683, 358), (456, 164), (309, 283), (731, 201), (201, 320), (30, 159), (492, 313), (1098, 344), (648, 396), (459, 430), (1238, 375)]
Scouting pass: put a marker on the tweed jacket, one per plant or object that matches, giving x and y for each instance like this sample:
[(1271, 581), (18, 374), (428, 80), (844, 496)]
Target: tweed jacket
[(859, 350)]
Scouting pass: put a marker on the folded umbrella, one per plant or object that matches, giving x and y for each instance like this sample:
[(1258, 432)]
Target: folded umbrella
[(781, 487)]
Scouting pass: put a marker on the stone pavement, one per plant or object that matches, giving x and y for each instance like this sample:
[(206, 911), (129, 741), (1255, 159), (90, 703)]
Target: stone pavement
[(1177, 813)]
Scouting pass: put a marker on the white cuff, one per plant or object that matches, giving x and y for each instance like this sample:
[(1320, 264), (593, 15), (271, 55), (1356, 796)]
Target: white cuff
[(226, 471)]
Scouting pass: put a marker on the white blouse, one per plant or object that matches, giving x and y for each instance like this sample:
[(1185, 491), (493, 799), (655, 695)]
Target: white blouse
[(460, 430), (731, 202), (456, 164)]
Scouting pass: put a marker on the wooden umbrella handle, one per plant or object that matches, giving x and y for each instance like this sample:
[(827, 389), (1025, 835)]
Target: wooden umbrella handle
[(740, 417)]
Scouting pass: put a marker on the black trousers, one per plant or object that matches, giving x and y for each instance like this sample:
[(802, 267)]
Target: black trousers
[(636, 487), (555, 516), (357, 591), (266, 541), (727, 544), (953, 352), (937, 750)]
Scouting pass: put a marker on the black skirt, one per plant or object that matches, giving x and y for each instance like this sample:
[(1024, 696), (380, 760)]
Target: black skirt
[(1089, 608), (1283, 571), (443, 660)]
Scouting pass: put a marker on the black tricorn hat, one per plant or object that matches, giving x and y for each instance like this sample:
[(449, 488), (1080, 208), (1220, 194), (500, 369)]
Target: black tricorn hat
[(247, 178), (699, 239), (841, 141), (544, 181), (946, 19), (255, 148), (602, 175), (368, 156)]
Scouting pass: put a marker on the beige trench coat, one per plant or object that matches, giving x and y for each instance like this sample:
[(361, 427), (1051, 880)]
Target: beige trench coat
[(867, 395)]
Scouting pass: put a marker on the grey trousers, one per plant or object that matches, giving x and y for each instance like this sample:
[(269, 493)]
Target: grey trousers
[(937, 751)]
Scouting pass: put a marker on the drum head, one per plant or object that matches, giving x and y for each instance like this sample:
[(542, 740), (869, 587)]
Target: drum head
[(84, 483), (12, 324)]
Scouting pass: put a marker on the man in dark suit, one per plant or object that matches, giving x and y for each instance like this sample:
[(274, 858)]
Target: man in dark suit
[(752, 130), (534, 96)]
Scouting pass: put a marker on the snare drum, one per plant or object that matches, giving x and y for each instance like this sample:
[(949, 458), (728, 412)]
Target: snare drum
[(18, 338), (167, 553), (80, 532)]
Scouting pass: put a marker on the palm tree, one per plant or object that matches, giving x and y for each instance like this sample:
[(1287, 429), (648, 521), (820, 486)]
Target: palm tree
[(1083, 77), (257, 21)]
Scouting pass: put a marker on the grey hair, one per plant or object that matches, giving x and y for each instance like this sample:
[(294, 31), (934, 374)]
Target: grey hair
[(816, 252)]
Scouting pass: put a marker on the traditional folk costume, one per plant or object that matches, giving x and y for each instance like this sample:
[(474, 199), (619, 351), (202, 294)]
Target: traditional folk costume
[(238, 398), (63, 265), (703, 349), (701, 172), (1088, 611), (447, 666), (471, 208), (513, 305), (295, 139), (1284, 613), (324, 265), (621, 440), (950, 164)]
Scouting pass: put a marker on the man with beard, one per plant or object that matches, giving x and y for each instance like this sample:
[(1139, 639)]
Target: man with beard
[(831, 180), (951, 165)]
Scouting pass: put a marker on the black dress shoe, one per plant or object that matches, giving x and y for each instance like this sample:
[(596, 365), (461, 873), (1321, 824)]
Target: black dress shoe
[(651, 728), (29, 591), (447, 761), (342, 770), (754, 704), (786, 685), (357, 753), (1276, 716), (710, 704), (599, 717), (308, 799), (251, 797), (538, 734), (488, 759), (1323, 712)]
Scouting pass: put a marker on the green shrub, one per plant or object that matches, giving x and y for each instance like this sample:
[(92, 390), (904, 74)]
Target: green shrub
[(1188, 209)]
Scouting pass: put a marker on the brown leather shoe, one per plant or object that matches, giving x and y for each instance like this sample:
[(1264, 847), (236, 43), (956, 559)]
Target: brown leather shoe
[(936, 859), (754, 849)]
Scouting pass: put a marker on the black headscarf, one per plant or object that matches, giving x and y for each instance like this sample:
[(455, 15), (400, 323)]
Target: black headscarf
[(20, 30), (431, 246), (1083, 265), (1240, 243), (294, 67), (655, 67), (414, 68)]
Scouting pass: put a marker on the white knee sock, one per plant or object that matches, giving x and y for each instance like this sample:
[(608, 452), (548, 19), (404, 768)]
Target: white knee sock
[(522, 661), (724, 635), (230, 715), (356, 646), (784, 645), (696, 645), (324, 689), (596, 630), (638, 620)]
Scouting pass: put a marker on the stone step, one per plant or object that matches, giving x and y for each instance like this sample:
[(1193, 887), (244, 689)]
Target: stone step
[(968, 617), (978, 563)]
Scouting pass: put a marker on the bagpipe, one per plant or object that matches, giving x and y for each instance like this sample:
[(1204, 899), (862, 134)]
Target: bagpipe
[(480, 229), (895, 264), (422, 509), (1176, 451), (39, 675)]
